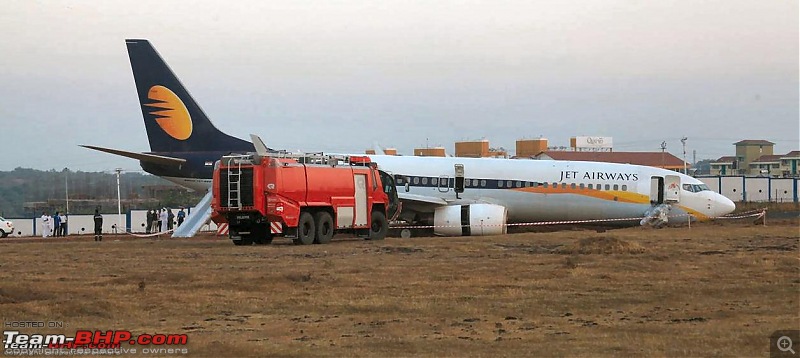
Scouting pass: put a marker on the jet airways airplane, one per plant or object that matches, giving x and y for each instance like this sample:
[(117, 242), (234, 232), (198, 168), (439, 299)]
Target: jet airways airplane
[(458, 196)]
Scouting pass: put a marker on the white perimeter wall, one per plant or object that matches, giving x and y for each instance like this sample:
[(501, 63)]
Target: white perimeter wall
[(84, 224), (738, 188)]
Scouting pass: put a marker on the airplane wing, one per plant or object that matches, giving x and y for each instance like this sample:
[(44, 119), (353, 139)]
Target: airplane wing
[(422, 199), (158, 159)]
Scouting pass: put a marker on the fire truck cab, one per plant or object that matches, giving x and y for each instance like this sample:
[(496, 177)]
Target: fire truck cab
[(304, 197)]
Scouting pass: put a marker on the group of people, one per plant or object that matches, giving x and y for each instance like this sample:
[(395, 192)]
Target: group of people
[(55, 225), (162, 220)]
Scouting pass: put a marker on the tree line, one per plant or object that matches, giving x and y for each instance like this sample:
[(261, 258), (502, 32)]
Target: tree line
[(25, 191)]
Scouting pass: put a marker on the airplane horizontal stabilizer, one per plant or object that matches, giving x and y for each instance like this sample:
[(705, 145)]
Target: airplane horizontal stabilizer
[(145, 157)]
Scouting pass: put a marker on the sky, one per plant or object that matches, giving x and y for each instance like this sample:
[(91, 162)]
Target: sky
[(341, 75)]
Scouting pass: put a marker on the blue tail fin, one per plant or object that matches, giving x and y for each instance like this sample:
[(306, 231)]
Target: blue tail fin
[(174, 121)]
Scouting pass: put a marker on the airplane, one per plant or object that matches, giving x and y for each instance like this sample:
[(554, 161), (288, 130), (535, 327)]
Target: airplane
[(184, 143), (458, 196)]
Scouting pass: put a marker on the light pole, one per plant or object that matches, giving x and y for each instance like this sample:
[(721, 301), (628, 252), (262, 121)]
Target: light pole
[(66, 190), (119, 201), (683, 140)]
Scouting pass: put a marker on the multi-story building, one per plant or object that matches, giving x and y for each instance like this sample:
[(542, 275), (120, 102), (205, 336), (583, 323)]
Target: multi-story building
[(790, 164), (765, 165), (723, 166), (748, 151)]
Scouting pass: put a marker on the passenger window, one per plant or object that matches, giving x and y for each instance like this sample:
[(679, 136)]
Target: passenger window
[(519, 184), (483, 183), (616, 186), (608, 187), (581, 186), (425, 181), (535, 185), (624, 187), (555, 185), (499, 183), (509, 184), (572, 186), (563, 185), (544, 185), (475, 182), (591, 186), (416, 180)]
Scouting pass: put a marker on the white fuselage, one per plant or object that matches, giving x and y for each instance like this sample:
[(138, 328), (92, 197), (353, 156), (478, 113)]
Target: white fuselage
[(543, 190)]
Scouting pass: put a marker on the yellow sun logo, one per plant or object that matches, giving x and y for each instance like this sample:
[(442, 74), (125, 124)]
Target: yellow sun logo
[(170, 112)]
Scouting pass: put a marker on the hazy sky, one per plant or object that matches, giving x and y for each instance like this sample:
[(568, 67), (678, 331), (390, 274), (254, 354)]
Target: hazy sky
[(339, 75)]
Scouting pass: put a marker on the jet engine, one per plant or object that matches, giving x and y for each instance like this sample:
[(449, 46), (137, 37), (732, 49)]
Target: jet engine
[(472, 219)]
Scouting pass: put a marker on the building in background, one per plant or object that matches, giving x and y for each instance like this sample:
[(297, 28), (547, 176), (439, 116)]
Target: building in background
[(529, 148), (790, 163), (755, 157), (594, 144), (663, 160), (748, 151), (765, 165), (430, 152), (386, 151), (479, 149), (723, 166)]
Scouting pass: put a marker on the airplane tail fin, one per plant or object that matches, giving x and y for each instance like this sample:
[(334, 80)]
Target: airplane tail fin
[(173, 120)]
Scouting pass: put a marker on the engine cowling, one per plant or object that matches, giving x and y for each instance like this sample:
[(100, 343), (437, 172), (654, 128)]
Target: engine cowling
[(470, 220)]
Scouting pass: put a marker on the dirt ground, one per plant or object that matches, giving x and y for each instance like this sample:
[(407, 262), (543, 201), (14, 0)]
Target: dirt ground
[(712, 290)]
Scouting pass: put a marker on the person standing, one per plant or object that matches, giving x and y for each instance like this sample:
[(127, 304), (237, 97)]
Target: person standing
[(45, 224), (163, 219), (56, 224), (154, 218), (64, 224), (170, 219), (181, 216), (149, 221), (98, 226)]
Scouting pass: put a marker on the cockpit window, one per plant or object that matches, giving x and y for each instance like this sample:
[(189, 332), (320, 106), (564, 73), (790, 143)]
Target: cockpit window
[(695, 188)]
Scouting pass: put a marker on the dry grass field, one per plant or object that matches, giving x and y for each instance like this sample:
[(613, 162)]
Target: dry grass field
[(712, 290)]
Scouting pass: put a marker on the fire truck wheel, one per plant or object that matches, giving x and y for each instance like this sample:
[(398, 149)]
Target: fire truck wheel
[(379, 226), (324, 223), (306, 231), (261, 235)]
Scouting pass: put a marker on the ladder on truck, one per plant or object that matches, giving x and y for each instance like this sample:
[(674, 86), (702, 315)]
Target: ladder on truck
[(234, 165)]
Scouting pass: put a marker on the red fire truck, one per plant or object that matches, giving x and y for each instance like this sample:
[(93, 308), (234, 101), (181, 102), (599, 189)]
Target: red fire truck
[(307, 198)]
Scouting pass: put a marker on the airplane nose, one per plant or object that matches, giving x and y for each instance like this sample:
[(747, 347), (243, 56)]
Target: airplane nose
[(725, 205)]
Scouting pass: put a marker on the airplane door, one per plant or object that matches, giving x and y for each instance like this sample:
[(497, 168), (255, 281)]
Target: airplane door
[(656, 190), (458, 183), (672, 183), (444, 183)]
